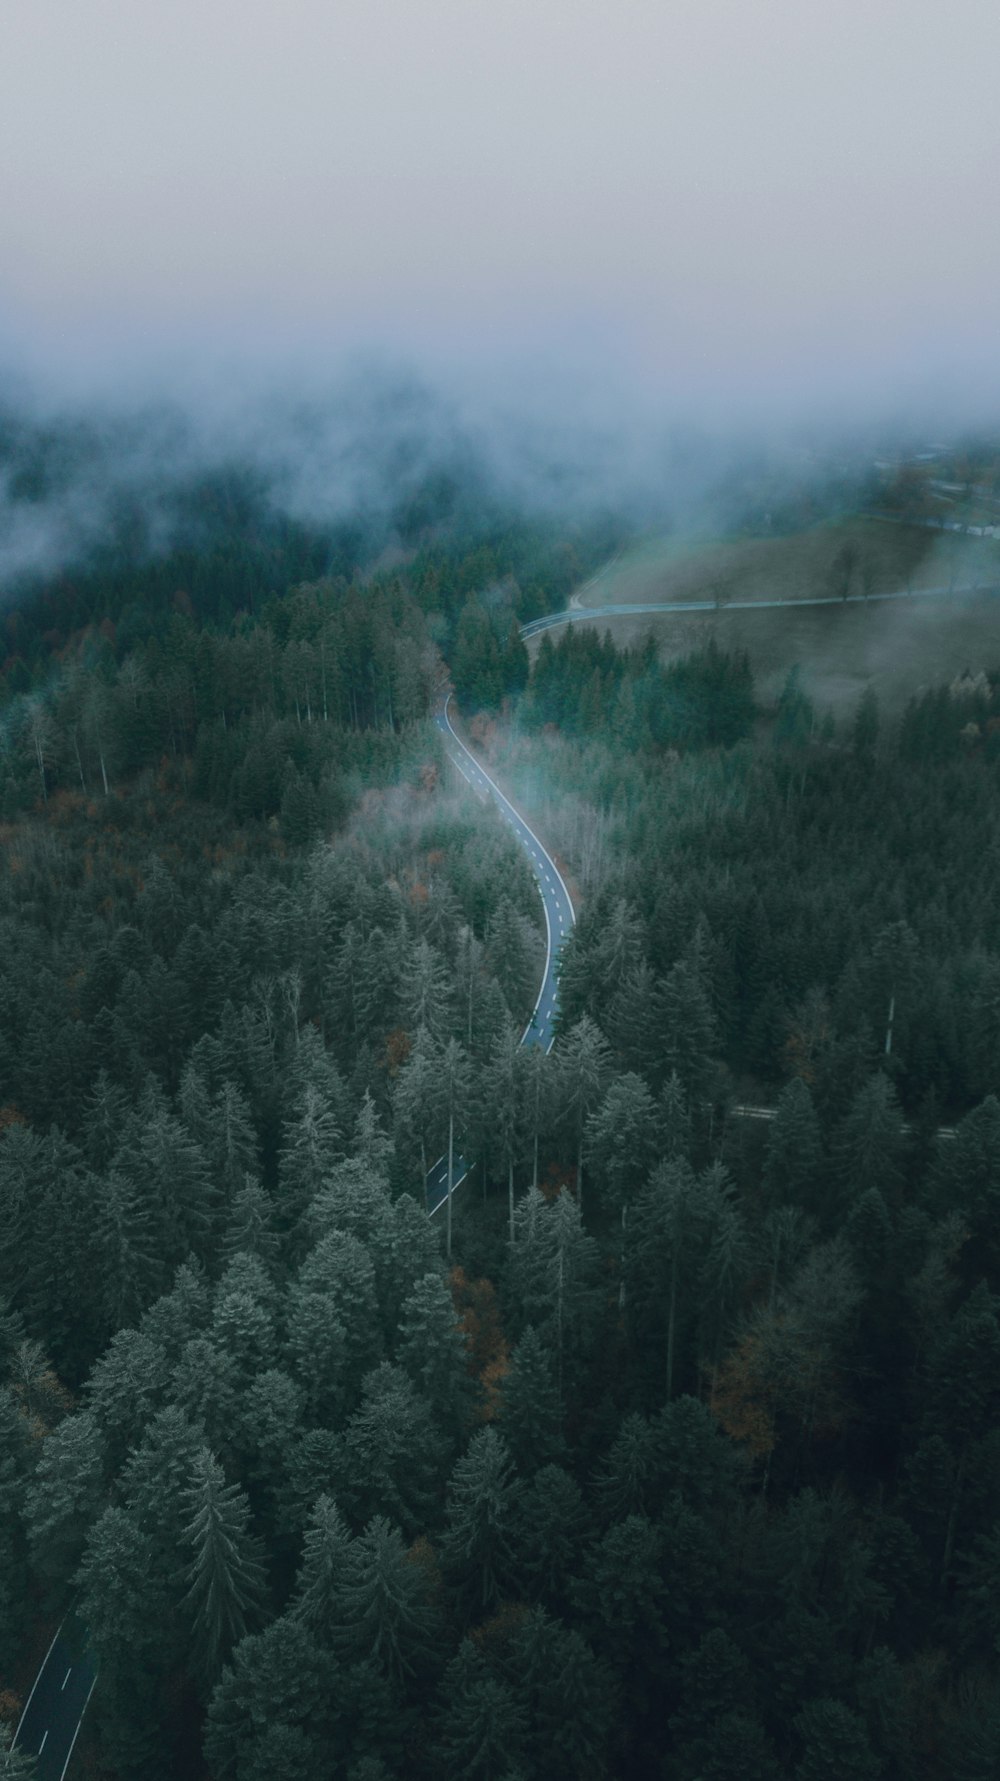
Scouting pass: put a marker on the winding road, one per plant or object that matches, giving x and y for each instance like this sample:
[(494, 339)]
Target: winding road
[(559, 919)]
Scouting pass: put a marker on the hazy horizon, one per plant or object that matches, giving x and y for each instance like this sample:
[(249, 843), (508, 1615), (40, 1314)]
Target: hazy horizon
[(736, 211)]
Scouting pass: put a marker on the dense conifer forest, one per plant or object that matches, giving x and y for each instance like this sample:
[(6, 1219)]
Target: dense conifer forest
[(694, 1472)]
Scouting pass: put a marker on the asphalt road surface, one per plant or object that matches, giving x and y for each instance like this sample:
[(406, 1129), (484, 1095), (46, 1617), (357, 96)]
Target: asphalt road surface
[(574, 615), (559, 919), (54, 1710)]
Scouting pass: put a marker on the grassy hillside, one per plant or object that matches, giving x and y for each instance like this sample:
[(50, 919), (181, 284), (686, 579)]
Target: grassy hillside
[(894, 647)]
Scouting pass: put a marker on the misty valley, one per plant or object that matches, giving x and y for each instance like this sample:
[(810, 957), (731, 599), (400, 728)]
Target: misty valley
[(666, 1445)]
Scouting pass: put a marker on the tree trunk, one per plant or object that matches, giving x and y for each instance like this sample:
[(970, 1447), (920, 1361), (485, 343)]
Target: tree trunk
[(41, 770), (671, 1315), (451, 1170), (510, 1194), (559, 1321), (79, 763), (949, 1539)]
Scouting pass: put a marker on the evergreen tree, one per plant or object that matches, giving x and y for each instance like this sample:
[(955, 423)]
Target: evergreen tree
[(432, 1350), (226, 1579), (530, 1412), (66, 1497), (583, 1064), (478, 1544), (326, 1560), (15, 1764), (483, 1726), (792, 1162), (383, 1608)]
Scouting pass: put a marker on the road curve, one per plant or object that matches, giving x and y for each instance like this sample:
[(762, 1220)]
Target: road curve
[(559, 919), (574, 615)]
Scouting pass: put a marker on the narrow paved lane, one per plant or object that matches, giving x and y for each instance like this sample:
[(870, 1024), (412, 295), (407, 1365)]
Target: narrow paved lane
[(559, 919), (54, 1711), (574, 615)]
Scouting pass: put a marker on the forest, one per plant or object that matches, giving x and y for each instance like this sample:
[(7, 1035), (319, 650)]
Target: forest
[(684, 1463)]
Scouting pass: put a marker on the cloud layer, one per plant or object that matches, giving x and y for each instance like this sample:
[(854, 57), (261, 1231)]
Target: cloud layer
[(749, 204)]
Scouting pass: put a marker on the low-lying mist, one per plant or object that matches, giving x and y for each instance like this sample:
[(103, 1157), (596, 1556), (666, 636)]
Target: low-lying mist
[(98, 468)]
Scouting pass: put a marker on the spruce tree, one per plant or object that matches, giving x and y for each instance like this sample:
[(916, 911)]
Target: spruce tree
[(530, 1414), (479, 1532), (225, 1577), (326, 1563)]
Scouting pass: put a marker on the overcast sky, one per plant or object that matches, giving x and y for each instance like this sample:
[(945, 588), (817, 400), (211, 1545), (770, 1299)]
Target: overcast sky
[(723, 195)]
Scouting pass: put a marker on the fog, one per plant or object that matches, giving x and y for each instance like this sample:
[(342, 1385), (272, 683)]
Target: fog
[(582, 256), (751, 208)]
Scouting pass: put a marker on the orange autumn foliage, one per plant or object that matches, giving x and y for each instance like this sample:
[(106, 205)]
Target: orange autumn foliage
[(476, 1308), (398, 1046)]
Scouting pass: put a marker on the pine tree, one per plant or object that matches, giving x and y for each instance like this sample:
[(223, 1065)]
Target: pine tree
[(835, 1746), (793, 1159), (432, 1350), (369, 1143), (552, 1528), (456, 1078), (334, 1330), (869, 1142), (426, 992), (568, 1694), (688, 1032), (416, 1097), (226, 1579), (66, 1497), (502, 1088), (530, 1413), (660, 1239), (326, 1563), (478, 1542), (483, 1726), (131, 1272), (552, 1271), (15, 1764), (312, 1144), (583, 1064), (391, 1457), (249, 1226), (16, 1504), (384, 1612), (628, 1480)]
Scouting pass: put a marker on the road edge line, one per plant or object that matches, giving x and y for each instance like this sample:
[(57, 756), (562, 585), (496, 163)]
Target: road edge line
[(38, 1678)]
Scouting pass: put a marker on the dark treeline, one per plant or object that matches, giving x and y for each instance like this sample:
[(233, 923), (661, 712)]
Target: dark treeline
[(813, 898), (144, 531), (684, 1463), (585, 687)]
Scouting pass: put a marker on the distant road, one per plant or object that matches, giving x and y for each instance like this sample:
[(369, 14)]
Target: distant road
[(54, 1710), (573, 615), (559, 919)]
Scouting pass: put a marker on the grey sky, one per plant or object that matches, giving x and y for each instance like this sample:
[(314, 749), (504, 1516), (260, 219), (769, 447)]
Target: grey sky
[(745, 194)]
